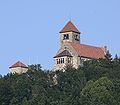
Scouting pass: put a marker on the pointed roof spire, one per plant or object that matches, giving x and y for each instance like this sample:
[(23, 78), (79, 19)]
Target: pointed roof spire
[(70, 27), (18, 64)]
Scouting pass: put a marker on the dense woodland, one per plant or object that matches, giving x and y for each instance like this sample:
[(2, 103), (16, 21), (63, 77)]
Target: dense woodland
[(96, 83)]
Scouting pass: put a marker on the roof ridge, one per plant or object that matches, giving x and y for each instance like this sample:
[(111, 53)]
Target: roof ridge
[(84, 45)]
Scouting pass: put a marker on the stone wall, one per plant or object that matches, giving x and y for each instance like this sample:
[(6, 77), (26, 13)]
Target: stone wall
[(71, 38), (75, 62), (18, 70)]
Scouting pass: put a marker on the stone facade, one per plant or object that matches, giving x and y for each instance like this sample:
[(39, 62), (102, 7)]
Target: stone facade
[(73, 37), (70, 41), (65, 37), (58, 62), (18, 70)]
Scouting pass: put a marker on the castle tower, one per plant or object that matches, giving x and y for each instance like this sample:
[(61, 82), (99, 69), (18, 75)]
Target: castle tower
[(18, 68), (69, 34)]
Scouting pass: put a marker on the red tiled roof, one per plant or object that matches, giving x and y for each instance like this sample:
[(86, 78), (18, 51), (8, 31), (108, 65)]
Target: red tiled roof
[(64, 53), (88, 51), (19, 64), (69, 27)]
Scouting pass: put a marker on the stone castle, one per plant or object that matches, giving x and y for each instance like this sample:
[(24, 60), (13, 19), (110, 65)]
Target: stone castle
[(71, 51)]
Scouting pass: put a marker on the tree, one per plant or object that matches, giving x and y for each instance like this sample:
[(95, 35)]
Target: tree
[(97, 82), (108, 55), (116, 59), (14, 101), (25, 101), (98, 93), (35, 67), (0, 76)]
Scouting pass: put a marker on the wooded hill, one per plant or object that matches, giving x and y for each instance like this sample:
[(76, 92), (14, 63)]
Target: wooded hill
[(96, 83)]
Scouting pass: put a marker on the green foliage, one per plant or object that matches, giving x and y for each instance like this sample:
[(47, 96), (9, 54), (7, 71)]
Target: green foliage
[(98, 93), (96, 83), (14, 101), (25, 101)]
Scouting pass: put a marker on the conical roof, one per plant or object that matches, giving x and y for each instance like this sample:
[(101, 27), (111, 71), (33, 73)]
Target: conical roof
[(18, 64), (70, 27)]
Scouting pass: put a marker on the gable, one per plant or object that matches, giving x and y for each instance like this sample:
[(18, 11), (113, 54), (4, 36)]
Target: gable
[(64, 53), (69, 27)]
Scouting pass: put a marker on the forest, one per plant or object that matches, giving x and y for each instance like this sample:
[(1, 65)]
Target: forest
[(97, 82)]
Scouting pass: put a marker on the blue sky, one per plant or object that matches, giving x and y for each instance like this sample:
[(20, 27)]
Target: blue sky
[(29, 29)]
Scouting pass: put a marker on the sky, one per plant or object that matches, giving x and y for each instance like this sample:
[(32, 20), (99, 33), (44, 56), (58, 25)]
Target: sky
[(29, 29)]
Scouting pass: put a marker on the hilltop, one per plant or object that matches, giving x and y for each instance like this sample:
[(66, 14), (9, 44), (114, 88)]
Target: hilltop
[(96, 83)]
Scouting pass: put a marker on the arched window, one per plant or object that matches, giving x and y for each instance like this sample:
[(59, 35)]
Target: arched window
[(76, 37), (57, 61), (63, 60), (66, 36), (60, 61)]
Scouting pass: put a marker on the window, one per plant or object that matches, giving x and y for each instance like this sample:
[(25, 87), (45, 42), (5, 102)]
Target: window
[(63, 60), (76, 37), (57, 61), (69, 60), (66, 36), (60, 61)]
